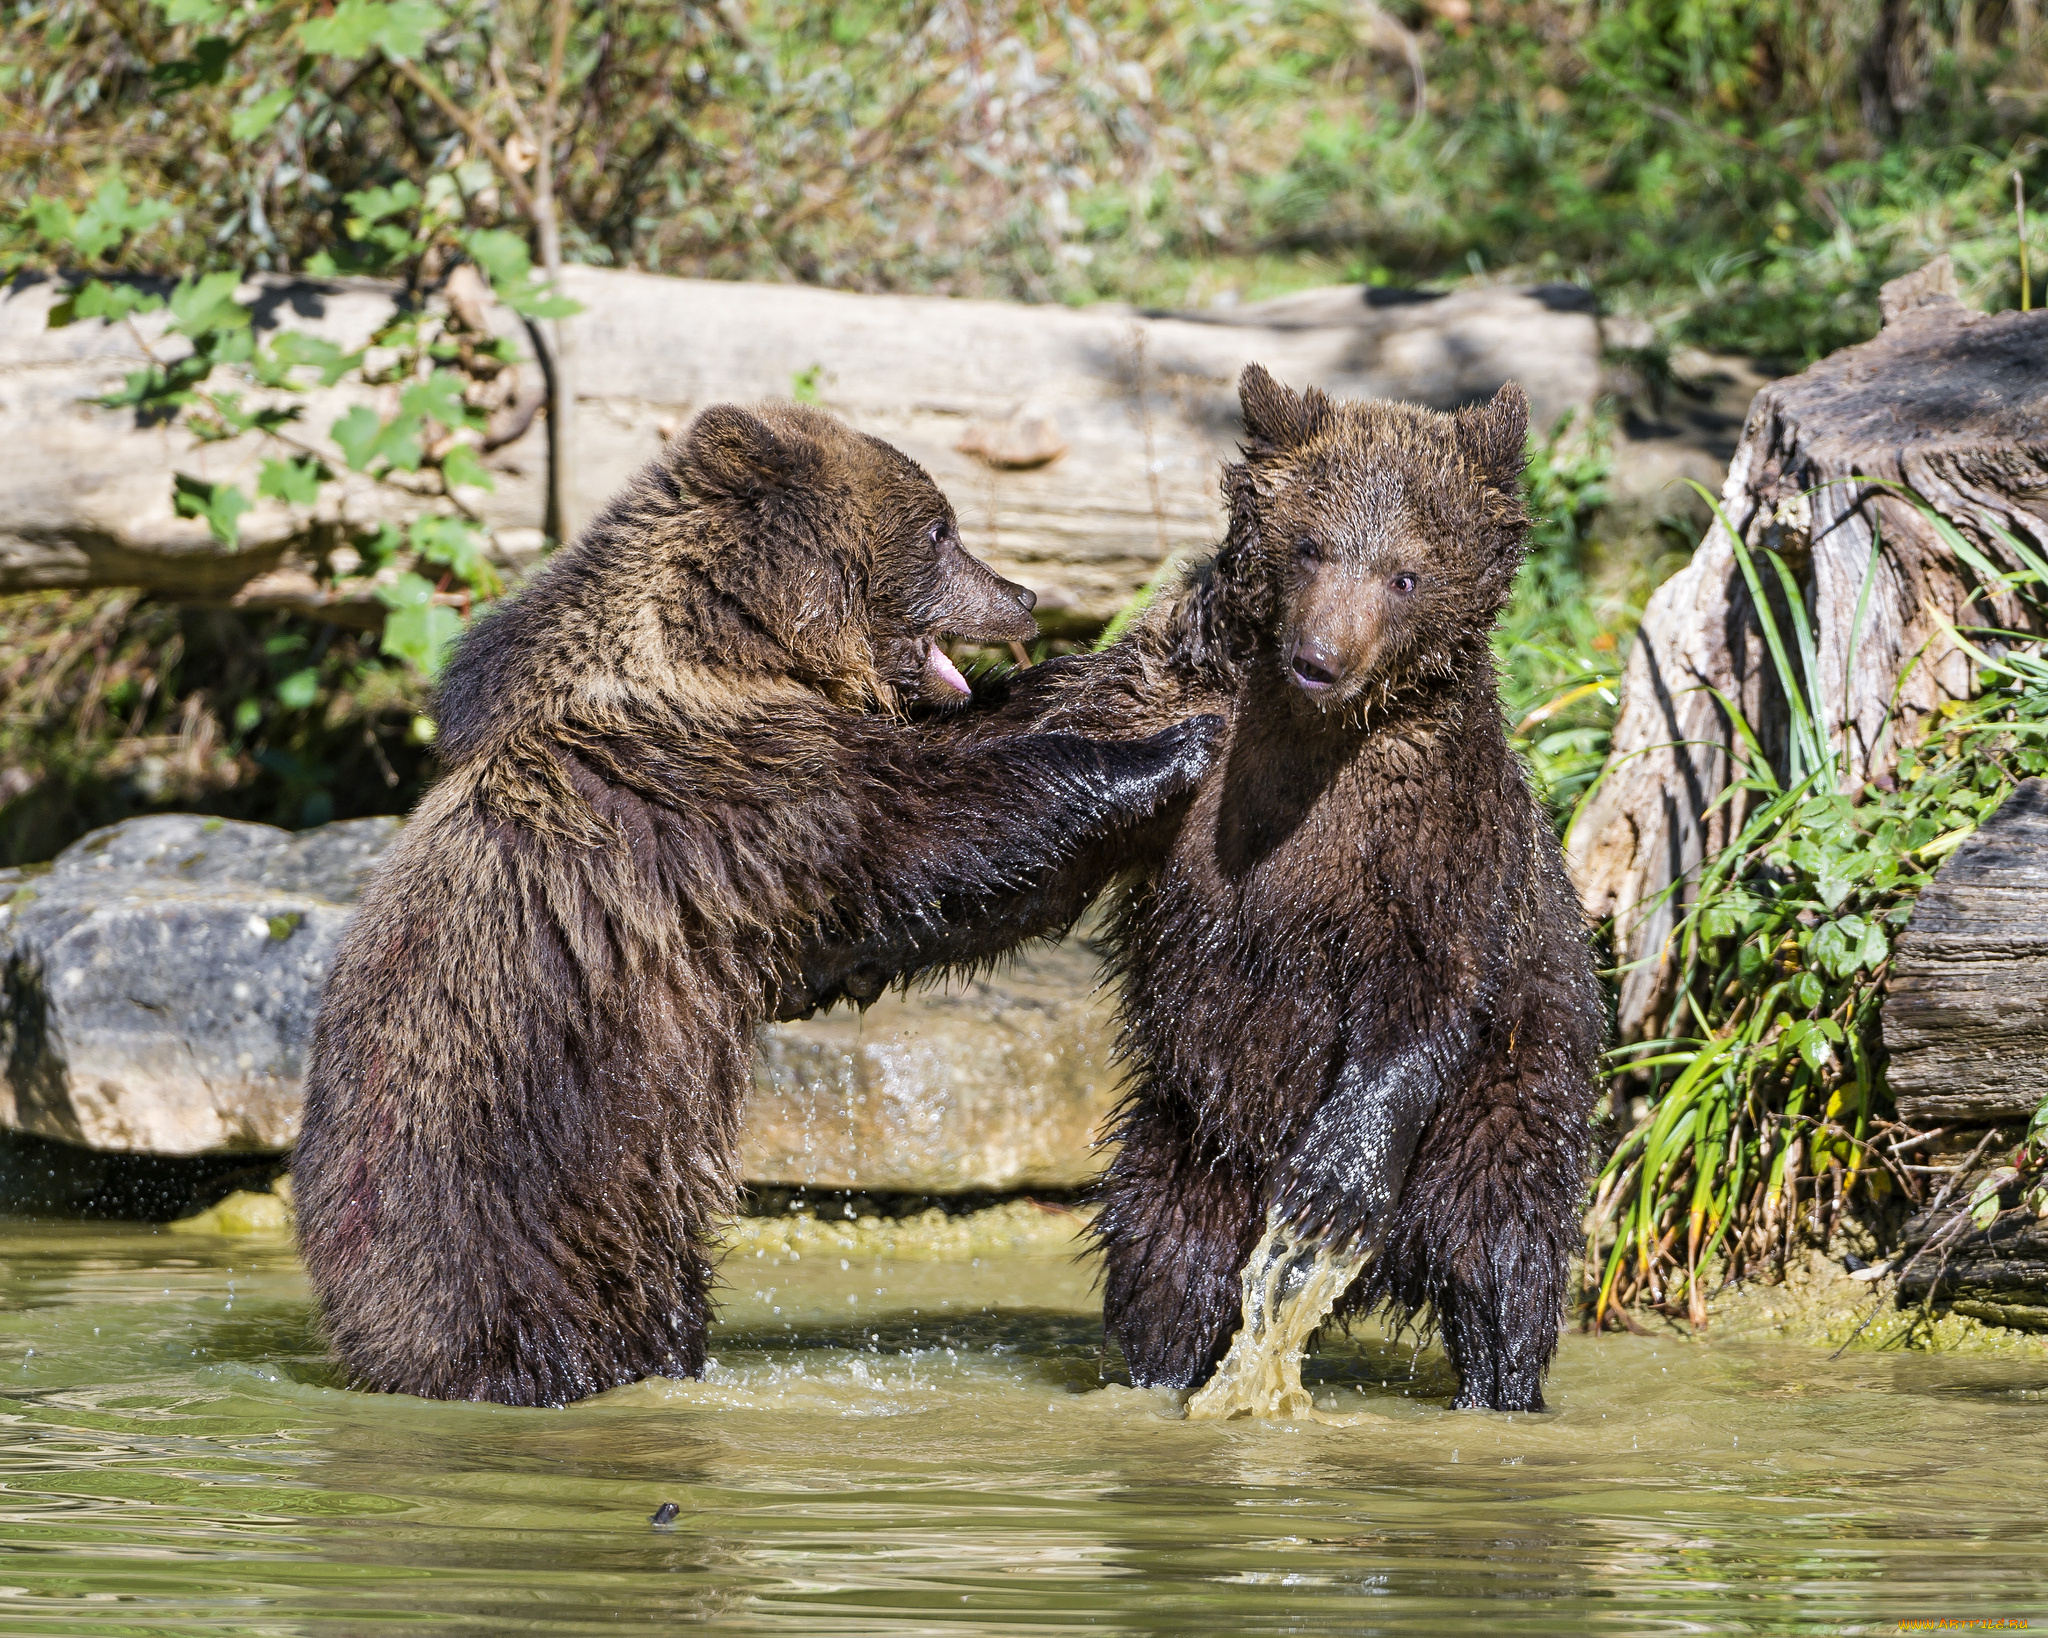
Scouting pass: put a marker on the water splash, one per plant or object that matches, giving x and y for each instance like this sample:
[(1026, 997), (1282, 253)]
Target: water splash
[(1290, 1287)]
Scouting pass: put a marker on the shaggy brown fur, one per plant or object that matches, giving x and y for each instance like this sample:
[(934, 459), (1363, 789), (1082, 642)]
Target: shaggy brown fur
[(664, 759), (1356, 983)]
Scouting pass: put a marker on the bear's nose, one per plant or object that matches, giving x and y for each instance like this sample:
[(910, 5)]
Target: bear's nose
[(1316, 664)]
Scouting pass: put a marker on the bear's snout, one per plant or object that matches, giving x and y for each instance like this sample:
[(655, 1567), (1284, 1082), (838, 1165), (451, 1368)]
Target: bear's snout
[(1315, 663)]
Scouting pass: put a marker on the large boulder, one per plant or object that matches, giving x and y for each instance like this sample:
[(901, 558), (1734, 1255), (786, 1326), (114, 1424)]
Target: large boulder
[(999, 1083), (1080, 445), (158, 984)]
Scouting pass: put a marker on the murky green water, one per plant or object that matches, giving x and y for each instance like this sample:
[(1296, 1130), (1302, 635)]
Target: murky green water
[(924, 1447)]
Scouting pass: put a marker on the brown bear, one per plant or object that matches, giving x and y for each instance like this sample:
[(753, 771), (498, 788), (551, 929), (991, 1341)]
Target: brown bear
[(677, 747), (1357, 991)]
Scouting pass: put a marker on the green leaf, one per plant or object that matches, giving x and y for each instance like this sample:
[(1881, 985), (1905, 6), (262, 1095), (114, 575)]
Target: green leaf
[(383, 545), (206, 14), (1832, 889), (296, 349), (205, 304), (538, 301), (438, 398), (364, 439), (250, 121), (505, 261), (457, 543), (300, 689), (206, 66), (400, 445), (53, 220), (1810, 1043), (372, 205), (1833, 951), (1983, 1207), (501, 254), (220, 504), (460, 466), (296, 482), (1808, 990), (247, 715), (418, 630), (111, 302), (398, 29), (357, 433), (108, 219)]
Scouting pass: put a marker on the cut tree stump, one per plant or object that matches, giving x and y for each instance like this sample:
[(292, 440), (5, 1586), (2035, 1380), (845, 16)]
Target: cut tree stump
[(1966, 1010), (1951, 403)]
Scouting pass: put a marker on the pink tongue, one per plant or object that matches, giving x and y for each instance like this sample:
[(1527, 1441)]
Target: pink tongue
[(945, 670)]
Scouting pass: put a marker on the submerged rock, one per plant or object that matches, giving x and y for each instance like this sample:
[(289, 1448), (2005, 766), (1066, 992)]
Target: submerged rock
[(1009, 1228), (159, 980), (243, 1212)]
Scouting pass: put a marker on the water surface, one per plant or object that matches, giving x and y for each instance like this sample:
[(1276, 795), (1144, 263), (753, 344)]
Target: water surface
[(911, 1447)]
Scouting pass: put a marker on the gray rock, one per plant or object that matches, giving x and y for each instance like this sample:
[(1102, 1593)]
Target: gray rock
[(1000, 1083), (158, 983), (333, 862), (159, 980)]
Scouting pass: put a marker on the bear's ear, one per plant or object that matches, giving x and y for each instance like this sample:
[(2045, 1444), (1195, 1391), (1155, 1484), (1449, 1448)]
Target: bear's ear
[(1495, 435), (733, 453), (1277, 419)]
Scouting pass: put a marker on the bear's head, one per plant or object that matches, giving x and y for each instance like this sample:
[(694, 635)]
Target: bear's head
[(843, 550), (1372, 545)]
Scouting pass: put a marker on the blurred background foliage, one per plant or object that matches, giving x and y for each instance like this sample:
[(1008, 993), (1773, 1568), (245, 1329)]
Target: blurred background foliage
[(1742, 173), (1748, 170)]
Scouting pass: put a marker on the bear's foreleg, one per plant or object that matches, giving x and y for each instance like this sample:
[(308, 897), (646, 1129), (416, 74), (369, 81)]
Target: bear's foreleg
[(1340, 1182), (1175, 1228), (976, 848)]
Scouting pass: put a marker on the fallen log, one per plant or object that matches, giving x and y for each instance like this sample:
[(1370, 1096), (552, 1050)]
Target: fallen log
[(1080, 446), (1950, 403)]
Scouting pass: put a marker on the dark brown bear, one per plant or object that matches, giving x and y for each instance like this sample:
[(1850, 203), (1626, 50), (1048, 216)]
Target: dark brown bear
[(1357, 990), (667, 756)]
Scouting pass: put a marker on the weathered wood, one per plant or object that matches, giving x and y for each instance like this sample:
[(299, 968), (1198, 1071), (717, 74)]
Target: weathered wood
[(1949, 402), (1145, 404), (1997, 1274), (1966, 1010)]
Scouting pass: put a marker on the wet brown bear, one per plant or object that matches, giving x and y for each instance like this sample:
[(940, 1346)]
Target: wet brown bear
[(1357, 992), (664, 758)]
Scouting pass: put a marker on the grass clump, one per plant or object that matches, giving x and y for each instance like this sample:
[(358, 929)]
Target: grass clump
[(1765, 1115)]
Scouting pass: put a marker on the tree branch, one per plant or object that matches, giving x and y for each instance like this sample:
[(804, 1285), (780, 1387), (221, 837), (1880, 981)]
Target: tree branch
[(470, 127)]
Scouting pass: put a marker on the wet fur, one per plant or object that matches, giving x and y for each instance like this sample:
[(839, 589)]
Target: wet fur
[(675, 749), (1355, 978)]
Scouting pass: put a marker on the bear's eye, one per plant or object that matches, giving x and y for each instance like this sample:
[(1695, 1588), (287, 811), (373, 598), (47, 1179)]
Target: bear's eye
[(1403, 583), (937, 534), (1309, 549)]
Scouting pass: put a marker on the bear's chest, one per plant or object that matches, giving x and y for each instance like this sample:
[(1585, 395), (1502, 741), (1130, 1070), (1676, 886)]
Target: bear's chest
[(1287, 840)]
